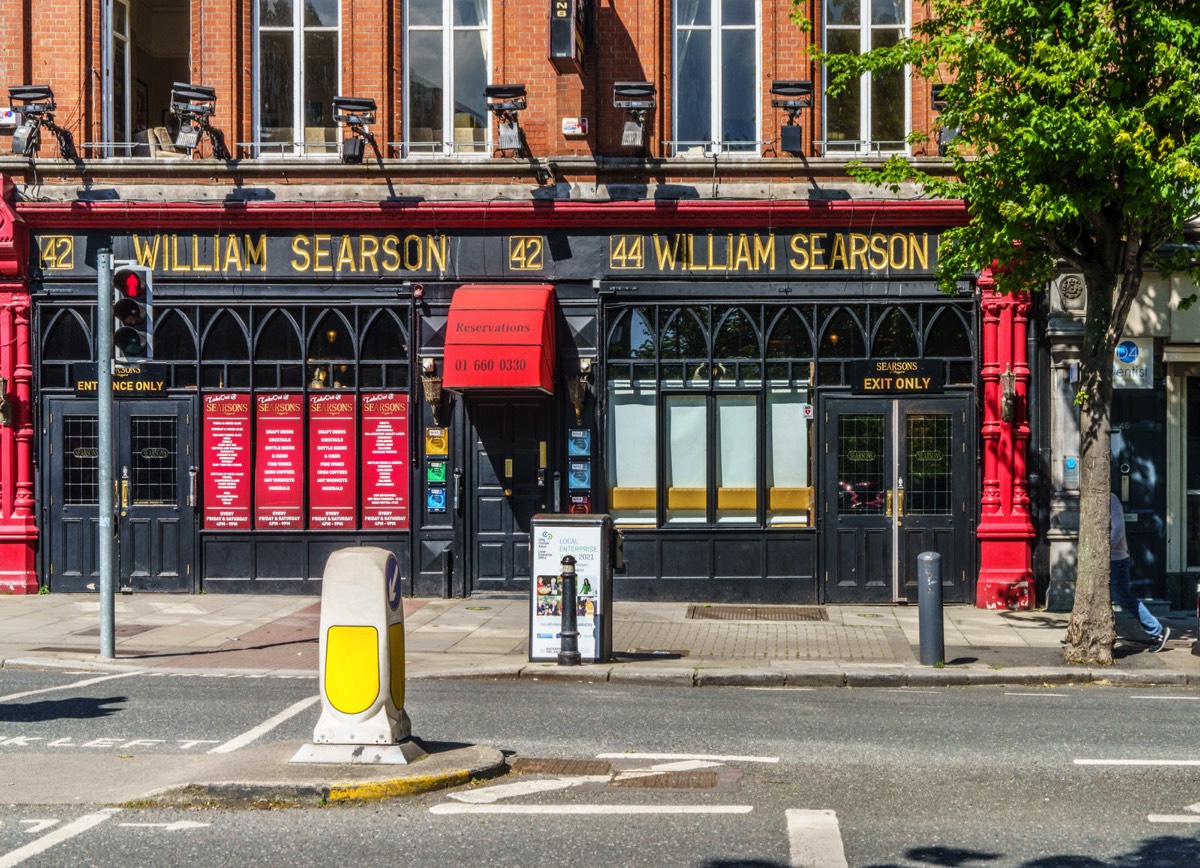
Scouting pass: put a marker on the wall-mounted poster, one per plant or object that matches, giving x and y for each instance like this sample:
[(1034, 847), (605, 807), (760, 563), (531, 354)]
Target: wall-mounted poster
[(579, 442), (227, 462), (279, 462), (384, 461), (579, 474), (332, 460)]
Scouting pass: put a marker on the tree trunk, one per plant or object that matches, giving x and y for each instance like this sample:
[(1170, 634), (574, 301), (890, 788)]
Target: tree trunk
[(1091, 631)]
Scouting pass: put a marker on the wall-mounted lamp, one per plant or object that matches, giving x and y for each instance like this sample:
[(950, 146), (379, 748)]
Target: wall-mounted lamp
[(939, 103), (792, 97), (577, 388), (431, 385), (1008, 394), (355, 112), (194, 105), (5, 407), (636, 98), (37, 111), (505, 101)]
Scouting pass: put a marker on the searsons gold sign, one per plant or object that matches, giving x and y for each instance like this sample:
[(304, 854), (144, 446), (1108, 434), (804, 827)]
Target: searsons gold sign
[(307, 254)]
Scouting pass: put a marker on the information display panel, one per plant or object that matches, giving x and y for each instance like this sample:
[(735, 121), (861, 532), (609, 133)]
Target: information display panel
[(385, 496), (227, 462), (332, 460), (279, 462)]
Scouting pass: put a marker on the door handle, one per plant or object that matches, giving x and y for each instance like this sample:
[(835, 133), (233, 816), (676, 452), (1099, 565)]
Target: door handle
[(900, 503), (458, 490), (192, 471), (887, 504)]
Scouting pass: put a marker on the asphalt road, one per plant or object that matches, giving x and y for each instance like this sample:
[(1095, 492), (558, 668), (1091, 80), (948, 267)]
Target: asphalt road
[(723, 776)]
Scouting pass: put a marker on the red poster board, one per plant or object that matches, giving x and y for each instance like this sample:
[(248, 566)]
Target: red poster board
[(332, 457), (227, 462), (279, 462), (385, 461)]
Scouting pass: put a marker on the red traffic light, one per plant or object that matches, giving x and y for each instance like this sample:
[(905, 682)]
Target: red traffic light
[(131, 285)]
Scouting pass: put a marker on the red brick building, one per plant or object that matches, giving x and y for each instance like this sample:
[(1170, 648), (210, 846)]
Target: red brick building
[(582, 257)]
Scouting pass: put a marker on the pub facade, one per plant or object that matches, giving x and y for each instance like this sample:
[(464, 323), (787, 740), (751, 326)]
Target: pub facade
[(489, 267)]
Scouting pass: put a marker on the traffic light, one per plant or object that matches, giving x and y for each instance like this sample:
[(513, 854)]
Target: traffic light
[(133, 313)]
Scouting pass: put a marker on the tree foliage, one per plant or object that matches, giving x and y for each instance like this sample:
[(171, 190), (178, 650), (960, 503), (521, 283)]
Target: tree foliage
[(1077, 147)]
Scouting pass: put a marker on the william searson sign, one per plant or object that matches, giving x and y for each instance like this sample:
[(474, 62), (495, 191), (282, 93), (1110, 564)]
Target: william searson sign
[(890, 376)]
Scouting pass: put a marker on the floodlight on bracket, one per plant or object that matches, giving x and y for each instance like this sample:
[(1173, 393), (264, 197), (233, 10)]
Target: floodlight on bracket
[(505, 101), (793, 97), (194, 105), (636, 98), (356, 113), (36, 109)]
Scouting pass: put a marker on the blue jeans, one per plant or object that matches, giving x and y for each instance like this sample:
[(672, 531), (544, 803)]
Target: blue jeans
[(1122, 595)]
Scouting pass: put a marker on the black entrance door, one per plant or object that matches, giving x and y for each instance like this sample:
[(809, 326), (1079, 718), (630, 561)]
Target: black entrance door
[(509, 485), (896, 481), (155, 495)]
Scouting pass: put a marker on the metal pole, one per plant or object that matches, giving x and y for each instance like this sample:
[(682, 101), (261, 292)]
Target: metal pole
[(568, 654), (929, 597), (104, 356)]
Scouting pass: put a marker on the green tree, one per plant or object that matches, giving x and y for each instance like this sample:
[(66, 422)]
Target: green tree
[(1077, 147)]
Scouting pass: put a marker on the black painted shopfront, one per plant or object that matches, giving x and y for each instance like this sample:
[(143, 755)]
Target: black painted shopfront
[(703, 388)]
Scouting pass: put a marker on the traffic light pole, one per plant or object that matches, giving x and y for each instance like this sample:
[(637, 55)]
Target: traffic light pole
[(104, 397)]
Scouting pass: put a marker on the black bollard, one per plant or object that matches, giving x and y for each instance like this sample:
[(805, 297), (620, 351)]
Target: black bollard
[(929, 596), (568, 654)]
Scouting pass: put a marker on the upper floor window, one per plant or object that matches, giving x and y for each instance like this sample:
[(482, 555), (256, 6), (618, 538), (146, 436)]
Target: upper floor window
[(716, 76), (147, 48), (299, 66), (872, 114), (448, 62)]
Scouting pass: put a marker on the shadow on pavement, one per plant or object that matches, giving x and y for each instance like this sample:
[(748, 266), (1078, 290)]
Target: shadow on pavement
[(81, 708)]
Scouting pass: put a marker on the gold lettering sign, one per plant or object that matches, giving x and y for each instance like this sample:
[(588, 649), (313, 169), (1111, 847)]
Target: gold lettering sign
[(526, 252), (57, 252)]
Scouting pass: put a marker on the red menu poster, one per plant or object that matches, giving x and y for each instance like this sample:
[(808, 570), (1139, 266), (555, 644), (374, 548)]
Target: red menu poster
[(279, 462), (384, 461), (332, 456), (227, 462)]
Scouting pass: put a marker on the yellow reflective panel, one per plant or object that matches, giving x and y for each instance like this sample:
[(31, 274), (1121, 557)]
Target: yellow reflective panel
[(352, 668), (396, 656)]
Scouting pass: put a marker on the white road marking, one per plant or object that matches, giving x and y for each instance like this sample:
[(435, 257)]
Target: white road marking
[(1016, 693), (781, 689), (39, 825), (1141, 696), (815, 839), (488, 795), (170, 827), (624, 810), (690, 756), (41, 845), (1195, 809), (84, 683), (266, 726), (663, 768), (1135, 762), (1173, 818)]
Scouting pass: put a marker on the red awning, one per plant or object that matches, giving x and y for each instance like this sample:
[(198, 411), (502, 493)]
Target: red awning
[(500, 337)]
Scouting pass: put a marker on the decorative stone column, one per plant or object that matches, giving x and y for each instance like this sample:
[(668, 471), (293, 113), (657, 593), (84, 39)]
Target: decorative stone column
[(1005, 529), (18, 532)]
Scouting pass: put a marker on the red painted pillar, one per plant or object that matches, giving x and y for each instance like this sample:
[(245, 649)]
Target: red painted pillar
[(1005, 530), (18, 533)]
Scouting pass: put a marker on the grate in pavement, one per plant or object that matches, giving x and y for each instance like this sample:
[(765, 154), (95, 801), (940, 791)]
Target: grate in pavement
[(670, 781), (120, 631), (540, 766), (699, 612)]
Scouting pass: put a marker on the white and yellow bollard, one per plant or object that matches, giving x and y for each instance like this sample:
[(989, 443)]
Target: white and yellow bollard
[(361, 662)]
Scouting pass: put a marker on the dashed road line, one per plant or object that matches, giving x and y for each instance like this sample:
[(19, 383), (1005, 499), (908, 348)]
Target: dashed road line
[(266, 726), (815, 839), (44, 843), (624, 810), (1135, 762), (690, 756), (84, 683)]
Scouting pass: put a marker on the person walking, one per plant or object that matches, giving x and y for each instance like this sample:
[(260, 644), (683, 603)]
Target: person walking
[(1118, 580)]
